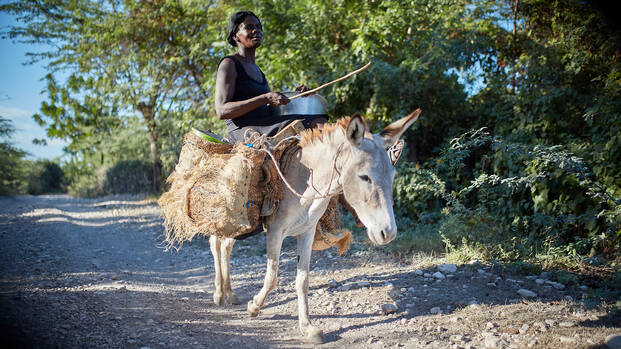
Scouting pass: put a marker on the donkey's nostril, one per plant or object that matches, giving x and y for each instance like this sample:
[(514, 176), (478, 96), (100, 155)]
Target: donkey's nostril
[(383, 234)]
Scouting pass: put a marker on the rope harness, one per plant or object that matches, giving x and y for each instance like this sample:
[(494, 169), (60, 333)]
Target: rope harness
[(259, 142)]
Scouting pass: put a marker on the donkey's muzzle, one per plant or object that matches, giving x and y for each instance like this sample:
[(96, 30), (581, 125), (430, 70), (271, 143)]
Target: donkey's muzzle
[(383, 236)]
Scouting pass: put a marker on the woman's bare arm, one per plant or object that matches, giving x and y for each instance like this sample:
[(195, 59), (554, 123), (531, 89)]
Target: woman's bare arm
[(225, 89)]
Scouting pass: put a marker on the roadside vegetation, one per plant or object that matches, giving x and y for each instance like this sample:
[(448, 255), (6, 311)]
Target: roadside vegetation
[(515, 159)]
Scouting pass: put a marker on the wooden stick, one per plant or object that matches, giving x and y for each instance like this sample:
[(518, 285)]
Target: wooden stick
[(331, 82)]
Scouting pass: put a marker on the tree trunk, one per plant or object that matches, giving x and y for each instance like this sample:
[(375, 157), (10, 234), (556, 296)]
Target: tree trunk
[(515, 12), (513, 44), (148, 115), (155, 157)]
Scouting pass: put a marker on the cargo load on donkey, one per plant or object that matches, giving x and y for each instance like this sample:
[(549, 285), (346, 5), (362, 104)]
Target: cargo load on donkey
[(224, 189), (213, 190)]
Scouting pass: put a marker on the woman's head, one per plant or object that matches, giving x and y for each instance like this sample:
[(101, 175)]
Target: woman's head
[(245, 27)]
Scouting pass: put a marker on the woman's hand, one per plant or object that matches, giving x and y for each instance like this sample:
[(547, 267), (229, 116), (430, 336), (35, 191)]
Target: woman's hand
[(276, 98)]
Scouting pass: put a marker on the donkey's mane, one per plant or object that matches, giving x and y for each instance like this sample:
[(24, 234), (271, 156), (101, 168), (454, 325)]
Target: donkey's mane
[(312, 135)]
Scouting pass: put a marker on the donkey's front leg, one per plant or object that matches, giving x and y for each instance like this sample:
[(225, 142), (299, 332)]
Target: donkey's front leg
[(274, 242), (305, 243)]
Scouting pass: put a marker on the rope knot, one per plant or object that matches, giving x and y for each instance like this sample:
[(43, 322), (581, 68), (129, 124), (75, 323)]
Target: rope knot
[(255, 140)]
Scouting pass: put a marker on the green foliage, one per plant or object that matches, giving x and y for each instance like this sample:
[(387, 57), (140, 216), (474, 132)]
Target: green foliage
[(87, 186), (128, 177), (516, 156), (557, 82), (12, 170), (119, 60), (18, 175), (545, 188), (412, 45), (127, 145), (549, 206), (45, 177), (123, 177)]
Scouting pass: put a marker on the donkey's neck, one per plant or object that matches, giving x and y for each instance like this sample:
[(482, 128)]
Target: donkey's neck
[(324, 158), (311, 173)]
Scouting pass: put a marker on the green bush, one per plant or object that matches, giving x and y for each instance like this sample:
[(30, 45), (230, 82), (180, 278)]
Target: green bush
[(124, 177), (130, 176), (87, 186), (485, 197), (45, 177), (11, 169)]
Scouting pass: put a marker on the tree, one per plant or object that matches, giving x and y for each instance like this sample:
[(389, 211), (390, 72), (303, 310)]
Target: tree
[(556, 80), (11, 161), (413, 46), (45, 176), (122, 58), (157, 59)]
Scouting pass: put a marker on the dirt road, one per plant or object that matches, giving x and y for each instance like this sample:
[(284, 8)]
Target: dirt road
[(82, 273)]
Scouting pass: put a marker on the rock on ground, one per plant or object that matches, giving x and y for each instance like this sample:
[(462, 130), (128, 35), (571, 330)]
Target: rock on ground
[(526, 293), (438, 275), (388, 308), (613, 341), (447, 268)]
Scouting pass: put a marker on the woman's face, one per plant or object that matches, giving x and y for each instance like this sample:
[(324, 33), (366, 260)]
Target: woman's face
[(250, 32)]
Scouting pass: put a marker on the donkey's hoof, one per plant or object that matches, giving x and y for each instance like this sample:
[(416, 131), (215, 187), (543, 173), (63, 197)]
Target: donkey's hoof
[(232, 299), (314, 336), (253, 310), (218, 299)]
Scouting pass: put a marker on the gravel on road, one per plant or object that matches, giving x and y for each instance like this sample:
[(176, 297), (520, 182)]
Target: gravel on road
[(94, 273)]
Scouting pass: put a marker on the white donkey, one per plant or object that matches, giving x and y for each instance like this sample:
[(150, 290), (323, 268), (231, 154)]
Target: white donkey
[(342, 158)]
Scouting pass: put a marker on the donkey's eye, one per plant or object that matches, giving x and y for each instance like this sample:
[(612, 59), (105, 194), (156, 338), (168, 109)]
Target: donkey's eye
[(365, 178)]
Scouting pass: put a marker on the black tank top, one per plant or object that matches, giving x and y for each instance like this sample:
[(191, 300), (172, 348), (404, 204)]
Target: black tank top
[(264, 119)]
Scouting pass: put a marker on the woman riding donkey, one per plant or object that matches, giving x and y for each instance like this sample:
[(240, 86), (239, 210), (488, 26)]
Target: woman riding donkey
[(243, 96), (244, 101), (361, 170)]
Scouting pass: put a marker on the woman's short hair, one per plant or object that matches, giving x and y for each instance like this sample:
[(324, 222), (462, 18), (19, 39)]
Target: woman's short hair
[(236, 19)]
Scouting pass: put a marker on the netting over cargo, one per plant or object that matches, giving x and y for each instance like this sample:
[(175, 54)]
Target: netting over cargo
[(214, 190)]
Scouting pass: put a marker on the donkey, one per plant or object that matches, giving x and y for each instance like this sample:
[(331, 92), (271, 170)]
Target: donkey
[(342, 158)]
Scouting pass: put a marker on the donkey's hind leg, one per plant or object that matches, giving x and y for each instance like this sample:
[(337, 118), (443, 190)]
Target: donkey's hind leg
[(225, 256), (215, 244), (274, 242)]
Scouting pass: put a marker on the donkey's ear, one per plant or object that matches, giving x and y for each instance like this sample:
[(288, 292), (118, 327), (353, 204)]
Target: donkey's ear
[(355, 130), (391, 133)]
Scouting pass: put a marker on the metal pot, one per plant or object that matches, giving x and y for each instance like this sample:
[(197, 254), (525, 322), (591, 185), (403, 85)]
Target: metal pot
[(309, 105)]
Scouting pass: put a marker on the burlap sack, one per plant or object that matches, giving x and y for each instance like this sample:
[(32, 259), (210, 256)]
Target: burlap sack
[(331, 231), (214, 190)]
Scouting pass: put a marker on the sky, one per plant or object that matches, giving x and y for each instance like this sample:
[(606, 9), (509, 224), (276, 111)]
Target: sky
[(21, 96)]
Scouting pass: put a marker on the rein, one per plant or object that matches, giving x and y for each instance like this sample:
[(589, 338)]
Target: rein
[(259, 142), (334, 169)]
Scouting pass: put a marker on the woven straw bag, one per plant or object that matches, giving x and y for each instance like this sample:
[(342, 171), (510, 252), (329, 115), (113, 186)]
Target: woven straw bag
[(214, 190)]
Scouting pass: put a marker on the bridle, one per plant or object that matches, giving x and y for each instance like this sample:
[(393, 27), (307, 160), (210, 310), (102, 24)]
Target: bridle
[(260, 143)]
